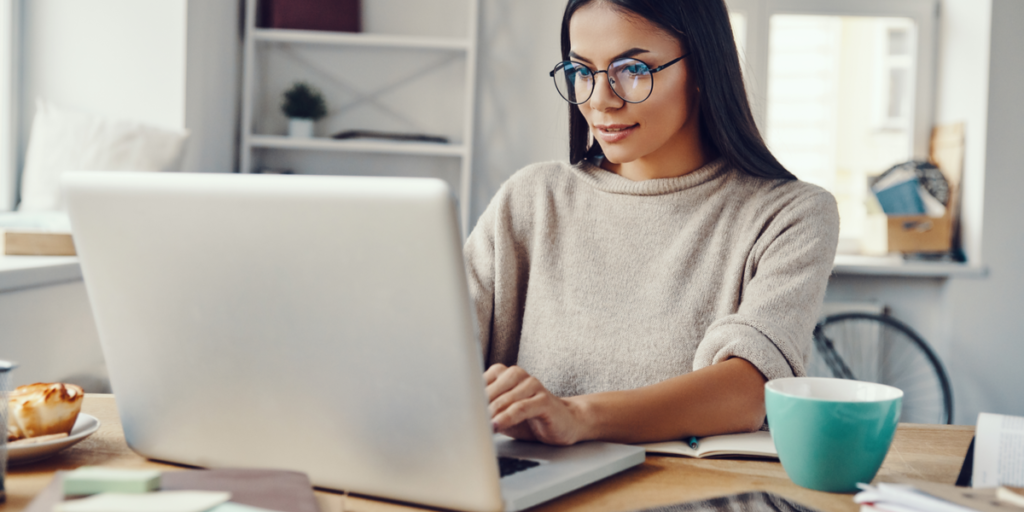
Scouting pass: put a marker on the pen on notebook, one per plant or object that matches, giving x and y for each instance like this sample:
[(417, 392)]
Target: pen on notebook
[(692, 442)]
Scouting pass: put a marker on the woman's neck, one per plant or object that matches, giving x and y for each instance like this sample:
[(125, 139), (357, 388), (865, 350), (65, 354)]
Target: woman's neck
[(685, 155), (645, 169)]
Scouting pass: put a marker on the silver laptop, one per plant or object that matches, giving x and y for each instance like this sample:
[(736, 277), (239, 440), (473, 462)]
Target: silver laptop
[(314, 323)]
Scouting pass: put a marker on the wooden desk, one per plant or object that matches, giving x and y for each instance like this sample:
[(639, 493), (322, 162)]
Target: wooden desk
[(923, 452)]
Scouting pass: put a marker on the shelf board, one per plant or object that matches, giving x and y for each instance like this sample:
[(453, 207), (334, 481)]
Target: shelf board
[(358, 145), (896, 266), (278, 35), (20, 272)]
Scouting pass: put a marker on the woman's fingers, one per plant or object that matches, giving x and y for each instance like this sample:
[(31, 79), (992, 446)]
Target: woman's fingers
[(522, 410), (505, 380), (493, 372), (521, 407), (524, 388)]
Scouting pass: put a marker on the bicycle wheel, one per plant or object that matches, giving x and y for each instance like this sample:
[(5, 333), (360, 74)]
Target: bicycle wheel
[(879, 348)]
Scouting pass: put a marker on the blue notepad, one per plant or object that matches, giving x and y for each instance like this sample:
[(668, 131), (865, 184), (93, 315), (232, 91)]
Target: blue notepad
[(901, 199)]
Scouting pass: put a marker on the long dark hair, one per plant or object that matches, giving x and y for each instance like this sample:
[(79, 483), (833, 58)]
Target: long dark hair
[(726, 124)]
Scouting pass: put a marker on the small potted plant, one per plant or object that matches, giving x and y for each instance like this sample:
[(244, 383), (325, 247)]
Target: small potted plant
[(304, 105)]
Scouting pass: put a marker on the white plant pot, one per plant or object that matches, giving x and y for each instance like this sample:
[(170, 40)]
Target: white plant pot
[(300, 128)]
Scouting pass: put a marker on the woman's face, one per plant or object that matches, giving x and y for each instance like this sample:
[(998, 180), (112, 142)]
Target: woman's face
[(661, 129)]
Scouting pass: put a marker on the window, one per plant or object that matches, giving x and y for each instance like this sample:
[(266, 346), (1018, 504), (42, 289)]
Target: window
[(841, 90), (895, 37)]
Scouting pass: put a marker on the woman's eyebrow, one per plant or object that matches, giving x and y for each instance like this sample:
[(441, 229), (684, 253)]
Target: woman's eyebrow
[(632, 52)]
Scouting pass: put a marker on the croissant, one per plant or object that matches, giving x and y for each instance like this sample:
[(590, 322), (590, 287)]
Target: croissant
[(43, 409)]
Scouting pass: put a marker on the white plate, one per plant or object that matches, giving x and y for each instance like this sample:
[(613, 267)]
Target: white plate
[(84, 427)]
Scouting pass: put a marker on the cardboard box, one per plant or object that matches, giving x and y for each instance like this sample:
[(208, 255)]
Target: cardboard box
[(920, 233)]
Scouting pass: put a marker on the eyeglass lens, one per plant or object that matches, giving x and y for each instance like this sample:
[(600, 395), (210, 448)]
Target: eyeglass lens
[(630, 79)]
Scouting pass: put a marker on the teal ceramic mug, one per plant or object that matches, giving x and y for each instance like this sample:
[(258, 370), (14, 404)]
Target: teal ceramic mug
[(831, 433)]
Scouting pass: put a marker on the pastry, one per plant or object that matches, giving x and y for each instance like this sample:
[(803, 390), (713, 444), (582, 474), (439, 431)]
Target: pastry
[(43, 409)]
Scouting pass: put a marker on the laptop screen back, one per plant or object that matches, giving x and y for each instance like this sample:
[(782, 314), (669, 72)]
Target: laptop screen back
[(313, 323)]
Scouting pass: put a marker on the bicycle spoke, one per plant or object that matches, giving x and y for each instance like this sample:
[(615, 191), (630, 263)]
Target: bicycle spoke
[(880, 349)]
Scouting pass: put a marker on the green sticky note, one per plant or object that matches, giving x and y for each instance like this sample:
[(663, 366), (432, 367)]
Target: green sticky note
[(238, 507), (94, 480)]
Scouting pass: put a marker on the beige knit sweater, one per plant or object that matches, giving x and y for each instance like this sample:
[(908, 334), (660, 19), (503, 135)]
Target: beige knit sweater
[(592, 282)]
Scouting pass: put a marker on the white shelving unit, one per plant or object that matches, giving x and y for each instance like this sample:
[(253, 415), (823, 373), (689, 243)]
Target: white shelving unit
[(309, 53)]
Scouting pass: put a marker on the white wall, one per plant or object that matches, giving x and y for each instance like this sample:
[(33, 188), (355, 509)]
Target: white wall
[(172, 63), (520, 118), (987, 324), (9, 37), (213, 61), (50, 333), (122, 58), (962, 96)]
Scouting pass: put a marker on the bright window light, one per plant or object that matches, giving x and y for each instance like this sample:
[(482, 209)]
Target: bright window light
[(840, 100), (739, 34)]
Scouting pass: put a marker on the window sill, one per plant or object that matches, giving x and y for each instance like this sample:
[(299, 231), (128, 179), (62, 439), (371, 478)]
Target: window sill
[(850, 265), (21, 272)]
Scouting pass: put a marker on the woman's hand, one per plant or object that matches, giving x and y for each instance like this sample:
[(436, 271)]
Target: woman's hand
[(522, 408)]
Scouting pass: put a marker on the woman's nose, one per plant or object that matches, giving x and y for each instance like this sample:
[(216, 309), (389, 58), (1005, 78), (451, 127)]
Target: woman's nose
[(604, 98)]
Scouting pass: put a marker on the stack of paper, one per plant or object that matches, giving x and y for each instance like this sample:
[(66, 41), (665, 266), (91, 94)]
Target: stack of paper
[(99, 489), (162, 501), (933, 497), (95, 489), (899, 192), (910, 498)]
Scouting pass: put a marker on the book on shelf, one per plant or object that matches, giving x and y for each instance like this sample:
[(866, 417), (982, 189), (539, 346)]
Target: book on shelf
[(758, 445)]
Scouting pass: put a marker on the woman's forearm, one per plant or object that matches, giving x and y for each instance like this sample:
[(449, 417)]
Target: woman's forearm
[(727, 397)]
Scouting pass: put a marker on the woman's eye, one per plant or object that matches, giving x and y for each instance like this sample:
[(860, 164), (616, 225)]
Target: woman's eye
[(636, 69), (583, 71)]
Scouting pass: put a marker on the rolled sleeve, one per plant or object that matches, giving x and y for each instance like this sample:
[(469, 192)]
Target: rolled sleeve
[(783, 288), (737, 340)]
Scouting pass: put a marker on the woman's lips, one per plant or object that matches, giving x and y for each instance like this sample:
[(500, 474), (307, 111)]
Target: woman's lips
[(614, 132)]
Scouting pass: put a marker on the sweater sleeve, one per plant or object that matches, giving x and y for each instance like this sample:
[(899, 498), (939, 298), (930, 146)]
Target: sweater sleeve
[(479, 255), (784, 285), (497, 269)]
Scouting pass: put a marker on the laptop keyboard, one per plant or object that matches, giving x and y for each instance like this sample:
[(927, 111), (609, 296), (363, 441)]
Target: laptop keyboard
[(509, 465)]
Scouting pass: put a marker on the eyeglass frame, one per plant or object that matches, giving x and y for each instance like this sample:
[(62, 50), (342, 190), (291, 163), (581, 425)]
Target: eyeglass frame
[(610, 84)]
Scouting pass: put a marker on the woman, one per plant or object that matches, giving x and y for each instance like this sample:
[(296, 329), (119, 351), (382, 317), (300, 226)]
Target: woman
[(647, 289)]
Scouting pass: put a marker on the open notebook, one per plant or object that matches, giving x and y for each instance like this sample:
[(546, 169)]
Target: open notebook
[(754, 444)]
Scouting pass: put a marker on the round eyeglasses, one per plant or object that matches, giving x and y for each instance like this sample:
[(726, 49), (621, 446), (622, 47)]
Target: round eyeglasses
[(632, 80)]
